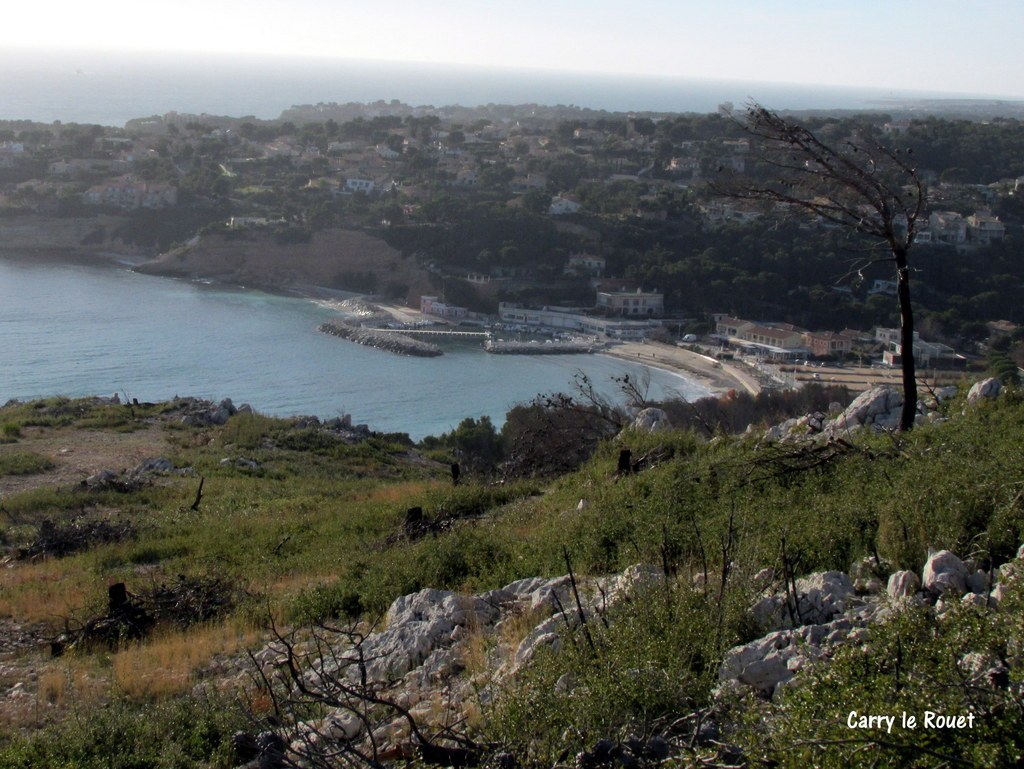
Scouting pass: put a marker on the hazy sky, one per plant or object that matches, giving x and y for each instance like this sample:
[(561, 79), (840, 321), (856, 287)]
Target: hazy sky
[(942, 45)]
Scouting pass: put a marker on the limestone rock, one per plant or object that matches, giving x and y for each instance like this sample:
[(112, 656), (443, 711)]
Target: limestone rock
[(985, 389), (944, 572), (341, 725), (903, 584), (417, 624), (819, 598), (652, 420), (153, 465), (974, 599), (823, 595), (880, 408), (761, 664)]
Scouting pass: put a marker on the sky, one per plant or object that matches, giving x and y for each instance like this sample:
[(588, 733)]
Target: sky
[(927, 45)]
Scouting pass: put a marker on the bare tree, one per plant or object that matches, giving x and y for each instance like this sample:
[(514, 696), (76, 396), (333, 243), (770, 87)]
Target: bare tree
[(856, 182), (327, 706)]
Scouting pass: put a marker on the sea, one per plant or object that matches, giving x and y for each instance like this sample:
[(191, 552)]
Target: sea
[(112, 88), (97, 328)]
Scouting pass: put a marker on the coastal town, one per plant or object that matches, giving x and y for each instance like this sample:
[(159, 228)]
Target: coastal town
[(558, 229)]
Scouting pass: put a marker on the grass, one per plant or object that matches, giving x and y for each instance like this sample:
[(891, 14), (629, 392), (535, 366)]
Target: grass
[(167, 665), (317, 533), (50, 590), (23, 463)]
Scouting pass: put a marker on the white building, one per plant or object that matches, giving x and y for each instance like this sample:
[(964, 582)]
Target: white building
[(559, 319), (947, 227), (353, 185), (984, 228), (430, 305), (626, 303)]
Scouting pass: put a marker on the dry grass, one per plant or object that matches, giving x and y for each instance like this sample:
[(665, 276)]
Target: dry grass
[(476, 650), (46, 591), (67, 681), (518, 625), (397, 493), (167, 664)]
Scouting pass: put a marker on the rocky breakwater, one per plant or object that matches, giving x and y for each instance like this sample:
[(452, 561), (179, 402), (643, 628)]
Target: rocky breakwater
[(501, 347), (382, 340)]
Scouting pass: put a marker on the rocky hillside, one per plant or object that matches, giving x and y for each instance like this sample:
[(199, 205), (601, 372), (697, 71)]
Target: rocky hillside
[(294, 593), (63, 235), (342, 259)]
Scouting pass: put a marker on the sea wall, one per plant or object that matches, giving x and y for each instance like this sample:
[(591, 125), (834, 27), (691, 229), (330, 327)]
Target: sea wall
[(382, 340)]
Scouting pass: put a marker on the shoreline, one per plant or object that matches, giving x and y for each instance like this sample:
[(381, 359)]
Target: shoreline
[(718, 378)]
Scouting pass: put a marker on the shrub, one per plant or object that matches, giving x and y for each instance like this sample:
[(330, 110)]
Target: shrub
[(24, 463), (179, 734), (910, 664), (655, 659)]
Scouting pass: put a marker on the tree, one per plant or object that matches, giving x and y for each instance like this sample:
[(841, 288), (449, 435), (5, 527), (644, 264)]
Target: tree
[(854, 181)]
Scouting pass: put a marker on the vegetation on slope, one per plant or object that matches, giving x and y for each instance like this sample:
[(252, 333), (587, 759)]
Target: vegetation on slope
[(310, 526)]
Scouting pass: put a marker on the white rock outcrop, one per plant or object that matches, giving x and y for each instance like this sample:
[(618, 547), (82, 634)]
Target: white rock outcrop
[(879, 407), (819, 598), (986, 389), (903, 584), (652, 420), (944, 572)]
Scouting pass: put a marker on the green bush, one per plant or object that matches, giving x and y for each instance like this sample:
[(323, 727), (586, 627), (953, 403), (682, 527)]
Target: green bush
[(10, 432), (180, 734), (911, 664), (655, 660), (24, 463)]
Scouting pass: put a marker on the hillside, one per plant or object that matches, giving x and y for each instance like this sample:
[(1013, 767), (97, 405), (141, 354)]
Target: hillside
[(36, 234), (723, 603), (333, 258)]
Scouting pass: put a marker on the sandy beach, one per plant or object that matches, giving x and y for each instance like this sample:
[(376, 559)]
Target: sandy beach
[(719, 377)]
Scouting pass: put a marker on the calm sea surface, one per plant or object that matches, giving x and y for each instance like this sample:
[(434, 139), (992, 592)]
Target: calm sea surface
[(110, 89), (88, 329)]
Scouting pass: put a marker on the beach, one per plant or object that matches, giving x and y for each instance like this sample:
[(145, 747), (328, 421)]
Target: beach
[(717, 376)]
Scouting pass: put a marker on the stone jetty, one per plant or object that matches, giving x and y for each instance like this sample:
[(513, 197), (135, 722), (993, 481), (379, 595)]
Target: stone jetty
[(390, 341), (501, 347)]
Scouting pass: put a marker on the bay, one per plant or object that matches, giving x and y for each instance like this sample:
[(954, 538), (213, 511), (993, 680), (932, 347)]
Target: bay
[(95, 329)]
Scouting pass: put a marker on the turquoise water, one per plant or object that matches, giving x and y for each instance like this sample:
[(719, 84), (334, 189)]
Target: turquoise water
[(87, 329)]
